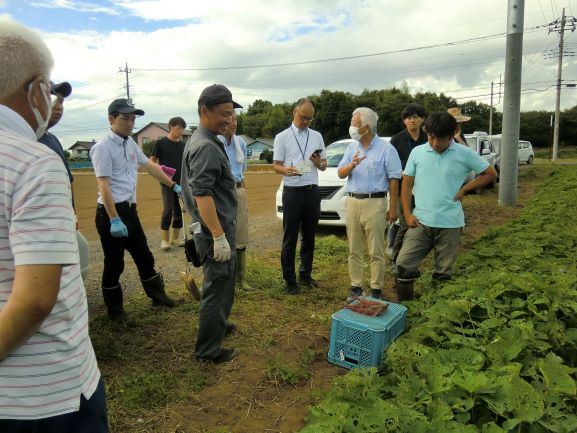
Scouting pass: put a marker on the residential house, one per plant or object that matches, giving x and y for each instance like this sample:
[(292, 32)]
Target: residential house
[(81, 149), (258, 145), (153, 131)]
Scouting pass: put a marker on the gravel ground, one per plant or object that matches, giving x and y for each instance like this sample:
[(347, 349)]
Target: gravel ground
[(265, 234)]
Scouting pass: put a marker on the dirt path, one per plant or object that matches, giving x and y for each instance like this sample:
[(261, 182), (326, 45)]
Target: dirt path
[(261, 189)]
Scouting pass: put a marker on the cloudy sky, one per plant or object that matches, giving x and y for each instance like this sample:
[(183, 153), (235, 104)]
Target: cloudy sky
[(281, 50)]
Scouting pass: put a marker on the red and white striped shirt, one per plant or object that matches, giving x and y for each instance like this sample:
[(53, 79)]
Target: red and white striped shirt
[(45, 376)]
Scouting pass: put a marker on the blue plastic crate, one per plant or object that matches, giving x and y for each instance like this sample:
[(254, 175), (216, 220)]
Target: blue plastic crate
[(359, 341)]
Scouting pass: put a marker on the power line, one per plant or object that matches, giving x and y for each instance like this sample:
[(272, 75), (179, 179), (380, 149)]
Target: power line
[(335, 59)]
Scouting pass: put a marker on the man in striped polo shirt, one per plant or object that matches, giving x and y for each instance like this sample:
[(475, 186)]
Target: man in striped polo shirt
[(49, 378)]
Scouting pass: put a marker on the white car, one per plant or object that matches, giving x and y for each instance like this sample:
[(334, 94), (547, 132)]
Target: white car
[(525, 151), (333, 191)]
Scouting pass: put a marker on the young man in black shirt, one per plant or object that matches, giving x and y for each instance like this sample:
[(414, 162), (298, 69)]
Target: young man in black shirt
[(168, 152), (405, 141)]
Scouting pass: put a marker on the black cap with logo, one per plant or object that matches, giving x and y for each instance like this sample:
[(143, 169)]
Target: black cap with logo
[(216, 94)]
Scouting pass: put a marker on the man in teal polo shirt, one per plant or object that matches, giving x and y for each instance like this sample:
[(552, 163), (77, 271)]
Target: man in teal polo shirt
[(434, 174)]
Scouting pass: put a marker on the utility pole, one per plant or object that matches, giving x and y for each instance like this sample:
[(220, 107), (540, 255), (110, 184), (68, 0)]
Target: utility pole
[(511, 103), (126, 71), (491, 112), (559, 27)]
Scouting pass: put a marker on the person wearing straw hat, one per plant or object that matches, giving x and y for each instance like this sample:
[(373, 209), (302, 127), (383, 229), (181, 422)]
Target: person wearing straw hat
[(460, 118), (168, 151)]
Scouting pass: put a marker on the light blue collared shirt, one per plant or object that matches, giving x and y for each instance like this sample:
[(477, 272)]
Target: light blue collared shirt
[(437, 179), (294, 147), (373, 173), (237, 168), (118, 158)]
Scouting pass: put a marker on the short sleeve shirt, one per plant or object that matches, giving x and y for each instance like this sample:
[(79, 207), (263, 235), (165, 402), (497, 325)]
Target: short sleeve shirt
[(118, 158), (169, 153), (437, 179), (237, 168), (294, 147), (47, 374), (380, 164), (206, 172)]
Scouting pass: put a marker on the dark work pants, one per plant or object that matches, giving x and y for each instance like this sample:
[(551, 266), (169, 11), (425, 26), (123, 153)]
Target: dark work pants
[(215, 305), (90, 418), (402, 231), (301, 212), (172, 212), (113, 248)]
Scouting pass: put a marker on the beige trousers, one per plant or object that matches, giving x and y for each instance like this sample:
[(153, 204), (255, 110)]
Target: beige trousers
[(241, 219), (366, 223)]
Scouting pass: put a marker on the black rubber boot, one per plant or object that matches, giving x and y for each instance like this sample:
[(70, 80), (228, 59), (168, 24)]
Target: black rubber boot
[(154, 289), (405, 288), (113, 301)]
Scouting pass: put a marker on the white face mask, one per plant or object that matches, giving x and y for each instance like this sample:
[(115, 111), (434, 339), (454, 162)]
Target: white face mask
[(42, 123), (354, 133)]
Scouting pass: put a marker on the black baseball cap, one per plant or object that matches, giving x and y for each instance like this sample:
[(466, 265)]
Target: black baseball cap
[(64, 88), (124, 106), (216, 94)]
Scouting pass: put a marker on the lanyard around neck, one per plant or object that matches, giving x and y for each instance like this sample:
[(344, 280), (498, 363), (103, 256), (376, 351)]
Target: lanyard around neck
[(299, 145)]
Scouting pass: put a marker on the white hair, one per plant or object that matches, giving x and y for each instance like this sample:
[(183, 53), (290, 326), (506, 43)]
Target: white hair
[(368, 117), (24, 56)]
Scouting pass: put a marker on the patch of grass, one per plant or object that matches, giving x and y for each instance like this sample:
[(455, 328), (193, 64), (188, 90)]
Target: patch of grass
[(290, 373), (565, 152)]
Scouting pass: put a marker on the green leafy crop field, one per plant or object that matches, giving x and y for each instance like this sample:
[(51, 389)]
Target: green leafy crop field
[(492, 351)]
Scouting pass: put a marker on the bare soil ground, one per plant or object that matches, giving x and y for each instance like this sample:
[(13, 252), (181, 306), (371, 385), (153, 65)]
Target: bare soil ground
[(242, 396)]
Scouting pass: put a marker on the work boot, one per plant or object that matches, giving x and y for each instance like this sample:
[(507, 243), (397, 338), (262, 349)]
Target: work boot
[(405, 288), (241, 271), (164, 240), (376, 294), (190, 285), (175, 239), (113, 301), (356, 292), (154, 289)]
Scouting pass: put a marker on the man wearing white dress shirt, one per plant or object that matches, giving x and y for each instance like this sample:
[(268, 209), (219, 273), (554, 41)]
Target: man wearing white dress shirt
[(298, 155), (116, 158), (372, 168)]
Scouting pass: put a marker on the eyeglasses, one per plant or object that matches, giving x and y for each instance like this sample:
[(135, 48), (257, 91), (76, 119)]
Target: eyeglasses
[(305, 118)]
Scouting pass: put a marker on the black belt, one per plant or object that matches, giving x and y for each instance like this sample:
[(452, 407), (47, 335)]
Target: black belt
[(299, 188), (379, 194), (124, 204), (240, 184)]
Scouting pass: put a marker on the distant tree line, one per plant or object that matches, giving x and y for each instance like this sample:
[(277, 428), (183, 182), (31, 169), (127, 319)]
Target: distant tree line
[(333, 115)]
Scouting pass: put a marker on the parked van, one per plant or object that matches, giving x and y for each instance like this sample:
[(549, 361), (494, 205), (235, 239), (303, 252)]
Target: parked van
[(525, 152), (480, 142)]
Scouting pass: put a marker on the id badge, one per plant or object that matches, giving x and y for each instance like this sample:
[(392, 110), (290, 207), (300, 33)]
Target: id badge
[(304, 168)]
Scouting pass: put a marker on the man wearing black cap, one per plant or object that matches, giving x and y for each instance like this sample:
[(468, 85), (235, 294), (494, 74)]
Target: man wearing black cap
[(210, 198), (116, 158), (61, 90)]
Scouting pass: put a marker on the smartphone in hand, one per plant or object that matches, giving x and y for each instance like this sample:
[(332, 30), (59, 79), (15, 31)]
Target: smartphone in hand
[(318, 152)]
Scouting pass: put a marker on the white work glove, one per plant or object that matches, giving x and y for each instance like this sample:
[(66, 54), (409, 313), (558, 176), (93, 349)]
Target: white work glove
[(221, 249)]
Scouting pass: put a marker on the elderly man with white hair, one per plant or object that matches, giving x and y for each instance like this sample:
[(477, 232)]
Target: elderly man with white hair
[(49, 376), (373, 169)]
